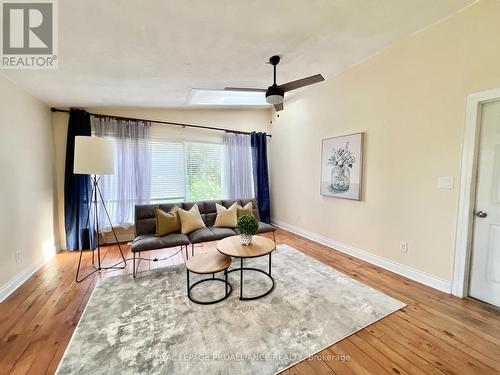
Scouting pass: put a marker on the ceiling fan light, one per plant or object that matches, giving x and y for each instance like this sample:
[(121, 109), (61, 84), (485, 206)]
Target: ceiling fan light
[(274, 95), (274, 99)]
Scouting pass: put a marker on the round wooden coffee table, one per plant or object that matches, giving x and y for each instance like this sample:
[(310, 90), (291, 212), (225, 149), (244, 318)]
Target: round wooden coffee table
[(260, 246), (208, 263)]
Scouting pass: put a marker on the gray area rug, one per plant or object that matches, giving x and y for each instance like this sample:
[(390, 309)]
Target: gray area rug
[(149, 326)]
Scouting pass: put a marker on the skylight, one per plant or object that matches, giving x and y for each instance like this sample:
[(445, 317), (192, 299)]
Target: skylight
[(226, 98)]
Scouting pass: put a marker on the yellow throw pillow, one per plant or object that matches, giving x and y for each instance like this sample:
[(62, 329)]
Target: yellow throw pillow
[(167, 222), (226, 217), (190, 220), (247, 210)]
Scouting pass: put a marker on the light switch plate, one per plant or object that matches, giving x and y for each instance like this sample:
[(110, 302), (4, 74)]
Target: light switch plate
[(445, 183)]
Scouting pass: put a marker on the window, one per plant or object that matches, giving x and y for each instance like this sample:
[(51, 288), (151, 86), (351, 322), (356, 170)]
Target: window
[(158, 165), (203, 171), (167, 171), (227, 98), (185, 171)]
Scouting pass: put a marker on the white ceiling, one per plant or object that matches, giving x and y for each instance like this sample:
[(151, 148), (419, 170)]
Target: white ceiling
[(151, 53)]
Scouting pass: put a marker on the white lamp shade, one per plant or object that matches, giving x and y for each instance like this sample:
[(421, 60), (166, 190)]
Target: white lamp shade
[(94, 155)]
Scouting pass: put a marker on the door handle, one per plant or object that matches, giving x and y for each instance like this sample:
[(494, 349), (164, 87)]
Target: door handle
[(481, 214)]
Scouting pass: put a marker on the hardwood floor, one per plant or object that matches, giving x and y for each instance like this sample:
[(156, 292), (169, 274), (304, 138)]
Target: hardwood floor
[(435, 334)]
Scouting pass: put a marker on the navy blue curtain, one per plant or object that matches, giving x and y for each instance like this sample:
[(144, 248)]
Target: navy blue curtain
[(77, 187), (260, 175)]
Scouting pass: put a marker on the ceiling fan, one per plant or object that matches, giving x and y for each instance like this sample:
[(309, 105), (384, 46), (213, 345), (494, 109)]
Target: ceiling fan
[(275, 94)]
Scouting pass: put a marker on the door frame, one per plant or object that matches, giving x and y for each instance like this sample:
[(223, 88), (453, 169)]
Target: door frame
[(468, 179)]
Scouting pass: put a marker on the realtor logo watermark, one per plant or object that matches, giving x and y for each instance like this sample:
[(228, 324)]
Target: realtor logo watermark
[(29, 34)]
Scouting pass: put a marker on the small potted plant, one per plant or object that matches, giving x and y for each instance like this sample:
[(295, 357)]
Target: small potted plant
[(247, 226)]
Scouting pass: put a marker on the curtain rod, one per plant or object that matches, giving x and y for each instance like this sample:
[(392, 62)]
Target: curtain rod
[(162, 122)]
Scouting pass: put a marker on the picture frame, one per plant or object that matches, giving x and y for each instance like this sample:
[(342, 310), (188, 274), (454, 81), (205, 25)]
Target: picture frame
[(342, 166)]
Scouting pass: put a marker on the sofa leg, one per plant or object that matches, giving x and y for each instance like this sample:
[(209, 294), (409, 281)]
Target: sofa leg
[(138, 261), (133, 268), (187, 252)]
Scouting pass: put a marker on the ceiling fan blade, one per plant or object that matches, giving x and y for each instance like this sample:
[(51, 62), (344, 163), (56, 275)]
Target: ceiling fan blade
[(301, 82), (278, 107), (243, 89)]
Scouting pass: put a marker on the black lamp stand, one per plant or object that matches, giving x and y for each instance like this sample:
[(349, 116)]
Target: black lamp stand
[(95, 196)]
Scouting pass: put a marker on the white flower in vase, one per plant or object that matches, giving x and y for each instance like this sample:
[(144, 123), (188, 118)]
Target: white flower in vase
[(341, 161)]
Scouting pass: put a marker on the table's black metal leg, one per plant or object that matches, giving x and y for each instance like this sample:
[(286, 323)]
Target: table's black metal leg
[(213, 276), (263, 271), (241, 278), (228, 288)]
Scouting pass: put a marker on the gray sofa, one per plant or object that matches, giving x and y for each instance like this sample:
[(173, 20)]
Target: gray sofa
[(145, 227)]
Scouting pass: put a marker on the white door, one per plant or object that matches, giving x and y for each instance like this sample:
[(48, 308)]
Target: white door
[(485, 262)]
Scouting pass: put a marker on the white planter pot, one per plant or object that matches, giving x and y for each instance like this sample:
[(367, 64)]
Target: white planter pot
[(246, 239)]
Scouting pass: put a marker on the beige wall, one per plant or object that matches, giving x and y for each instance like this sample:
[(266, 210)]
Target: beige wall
[(26, 183), (237, 119), (410, 101)]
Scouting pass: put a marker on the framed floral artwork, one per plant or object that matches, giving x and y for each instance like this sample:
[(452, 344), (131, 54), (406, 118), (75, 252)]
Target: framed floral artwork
[(342, 166)]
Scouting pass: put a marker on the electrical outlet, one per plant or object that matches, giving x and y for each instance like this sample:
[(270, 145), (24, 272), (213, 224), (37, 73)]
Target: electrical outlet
[(19, 256), (403, 246), (445, 183)]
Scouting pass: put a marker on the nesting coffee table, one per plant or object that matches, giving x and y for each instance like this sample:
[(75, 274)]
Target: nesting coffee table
[(205, 264), (260, 246)]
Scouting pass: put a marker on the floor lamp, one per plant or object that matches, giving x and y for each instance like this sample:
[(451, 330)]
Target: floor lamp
[(95, 156)]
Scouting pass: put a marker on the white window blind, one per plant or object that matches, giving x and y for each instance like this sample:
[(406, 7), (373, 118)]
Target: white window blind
[(168, 179), (203, 171), (185, 167)]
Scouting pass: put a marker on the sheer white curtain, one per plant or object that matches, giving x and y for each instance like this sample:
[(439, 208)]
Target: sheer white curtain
[(131, 183), (237, 179)]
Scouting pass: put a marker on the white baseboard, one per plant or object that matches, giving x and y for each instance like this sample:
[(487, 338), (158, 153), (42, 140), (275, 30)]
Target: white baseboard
[(58, 247), (400, 269), (10, 286)]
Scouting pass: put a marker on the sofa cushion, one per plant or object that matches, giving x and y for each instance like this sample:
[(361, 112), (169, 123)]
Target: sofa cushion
[(209, 219), (145, 226), (146, 211), (190, 220), (255, 209), (145, 222), (146, 242), (167, 222), (220, 233), (202, 235), (226, 217), (169, 206), (264, 228), (246, 210), (211, 206), (229, 202), (188, 205)]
